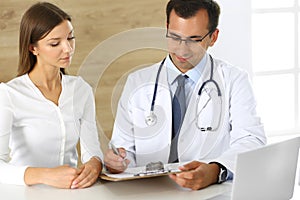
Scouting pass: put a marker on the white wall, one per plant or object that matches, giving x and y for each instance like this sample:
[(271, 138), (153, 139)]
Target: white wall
[(234, 42)]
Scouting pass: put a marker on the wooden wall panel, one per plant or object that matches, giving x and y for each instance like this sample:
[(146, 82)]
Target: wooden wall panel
[(94, 21)]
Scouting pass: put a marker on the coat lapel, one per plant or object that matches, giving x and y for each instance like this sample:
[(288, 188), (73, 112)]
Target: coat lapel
[(189, 130)]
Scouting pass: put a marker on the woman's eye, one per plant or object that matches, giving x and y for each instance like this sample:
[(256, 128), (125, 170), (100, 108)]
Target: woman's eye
[(71, 38), (54, 44)]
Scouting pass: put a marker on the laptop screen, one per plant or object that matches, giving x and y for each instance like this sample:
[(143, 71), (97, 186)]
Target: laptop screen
[(268, 172)]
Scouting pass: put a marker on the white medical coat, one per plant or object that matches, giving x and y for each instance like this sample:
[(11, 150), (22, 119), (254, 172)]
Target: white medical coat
[(240, 128)]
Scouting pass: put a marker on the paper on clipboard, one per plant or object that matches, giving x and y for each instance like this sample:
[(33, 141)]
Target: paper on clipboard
[(141, 172)]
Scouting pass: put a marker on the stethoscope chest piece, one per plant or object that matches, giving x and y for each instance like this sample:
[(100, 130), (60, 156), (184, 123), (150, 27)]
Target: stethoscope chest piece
[(151, 119)]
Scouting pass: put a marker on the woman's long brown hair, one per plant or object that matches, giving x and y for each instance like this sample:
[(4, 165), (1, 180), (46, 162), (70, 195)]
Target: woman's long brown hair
[(36, 24)]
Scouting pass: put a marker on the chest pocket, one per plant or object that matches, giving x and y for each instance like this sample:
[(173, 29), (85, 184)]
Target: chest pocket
[(209, 109)]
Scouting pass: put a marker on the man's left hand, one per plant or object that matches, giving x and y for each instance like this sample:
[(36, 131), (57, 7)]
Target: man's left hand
[(196, 175)]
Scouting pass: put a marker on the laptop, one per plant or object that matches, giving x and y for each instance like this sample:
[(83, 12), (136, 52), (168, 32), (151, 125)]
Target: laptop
[(266, 173)]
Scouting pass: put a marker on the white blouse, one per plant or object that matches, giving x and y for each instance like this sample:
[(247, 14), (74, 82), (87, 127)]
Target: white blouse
[(35, 132)]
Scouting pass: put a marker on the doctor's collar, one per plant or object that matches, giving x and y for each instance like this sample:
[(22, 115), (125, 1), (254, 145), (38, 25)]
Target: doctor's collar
[(194, 74)]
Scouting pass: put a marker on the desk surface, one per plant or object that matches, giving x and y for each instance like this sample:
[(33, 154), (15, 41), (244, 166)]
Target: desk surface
[(152, 188)]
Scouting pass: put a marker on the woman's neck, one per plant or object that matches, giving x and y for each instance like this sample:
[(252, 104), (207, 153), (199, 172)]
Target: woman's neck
[(47, 79), (48, 82)]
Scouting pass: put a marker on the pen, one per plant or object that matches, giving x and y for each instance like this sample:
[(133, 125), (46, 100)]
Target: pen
[(115, 150)]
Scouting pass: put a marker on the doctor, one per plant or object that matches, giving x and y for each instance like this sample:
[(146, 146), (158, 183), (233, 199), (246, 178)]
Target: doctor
[(215, 113)]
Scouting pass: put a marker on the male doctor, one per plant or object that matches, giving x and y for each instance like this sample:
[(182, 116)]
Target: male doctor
[(204, 129)]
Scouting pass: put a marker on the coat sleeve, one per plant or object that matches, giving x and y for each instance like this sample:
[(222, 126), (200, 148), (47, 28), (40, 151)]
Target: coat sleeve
[(123, 135), (246, 129), (9, 174)]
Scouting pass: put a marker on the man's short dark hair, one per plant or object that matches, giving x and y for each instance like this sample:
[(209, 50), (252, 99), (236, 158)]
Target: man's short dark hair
[(189, 8)]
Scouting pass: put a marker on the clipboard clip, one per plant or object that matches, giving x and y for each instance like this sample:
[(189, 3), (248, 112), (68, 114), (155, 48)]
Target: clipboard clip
[(155, 168)]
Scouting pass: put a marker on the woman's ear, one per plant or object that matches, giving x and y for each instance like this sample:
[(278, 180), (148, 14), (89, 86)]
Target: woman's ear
[(33, 49)]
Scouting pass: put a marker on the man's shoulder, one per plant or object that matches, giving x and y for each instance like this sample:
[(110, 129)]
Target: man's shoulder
[(145, 73), (147, 69), (230, 69)]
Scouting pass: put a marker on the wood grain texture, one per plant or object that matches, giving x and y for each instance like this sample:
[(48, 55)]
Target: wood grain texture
[(94, 21)]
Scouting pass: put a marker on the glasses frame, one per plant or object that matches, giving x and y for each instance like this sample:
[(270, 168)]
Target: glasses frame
[(188, 40)]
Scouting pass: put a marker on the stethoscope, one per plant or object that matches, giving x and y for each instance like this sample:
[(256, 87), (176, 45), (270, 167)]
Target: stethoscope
[(151, 119)]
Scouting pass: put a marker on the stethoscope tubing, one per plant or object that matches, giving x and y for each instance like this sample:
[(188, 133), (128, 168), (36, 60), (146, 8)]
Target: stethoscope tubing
[(156, 85), (210, 79), (152, 118)]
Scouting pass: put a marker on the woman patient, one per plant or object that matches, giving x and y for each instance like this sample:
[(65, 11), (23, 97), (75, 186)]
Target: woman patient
[(44, 112)]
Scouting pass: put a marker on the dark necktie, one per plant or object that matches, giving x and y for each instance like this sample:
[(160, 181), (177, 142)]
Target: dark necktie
[(178, 112)]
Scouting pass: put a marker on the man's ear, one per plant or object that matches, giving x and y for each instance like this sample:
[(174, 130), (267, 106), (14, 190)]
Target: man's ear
[(214, 37), (33, 49)]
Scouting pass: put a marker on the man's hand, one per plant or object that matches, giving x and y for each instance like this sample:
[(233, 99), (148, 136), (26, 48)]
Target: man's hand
[(115, 163), (196, 175)]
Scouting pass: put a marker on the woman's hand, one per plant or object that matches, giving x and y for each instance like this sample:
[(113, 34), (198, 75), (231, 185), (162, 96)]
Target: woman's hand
[(65, 176), (59, 177), (89, 174)]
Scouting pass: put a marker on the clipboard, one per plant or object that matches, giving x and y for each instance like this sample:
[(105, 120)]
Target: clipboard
[(153, 169)]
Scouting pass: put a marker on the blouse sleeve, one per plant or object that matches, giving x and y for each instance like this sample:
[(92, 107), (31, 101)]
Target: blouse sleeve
[(9, 174), (89, 138)]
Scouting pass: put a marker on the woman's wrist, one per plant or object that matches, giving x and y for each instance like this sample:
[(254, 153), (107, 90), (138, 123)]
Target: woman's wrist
[(33, 176), (98, 159)]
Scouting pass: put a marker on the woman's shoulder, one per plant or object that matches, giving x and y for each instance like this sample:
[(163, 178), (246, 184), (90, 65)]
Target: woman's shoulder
[(75, 79), (16, 83), (77, 82)]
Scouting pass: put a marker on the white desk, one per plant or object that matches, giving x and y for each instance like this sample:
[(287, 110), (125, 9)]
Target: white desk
[(153, 188)]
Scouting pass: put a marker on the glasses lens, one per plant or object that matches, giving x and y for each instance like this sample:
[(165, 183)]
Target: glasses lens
[(191, 43), (176, 41)]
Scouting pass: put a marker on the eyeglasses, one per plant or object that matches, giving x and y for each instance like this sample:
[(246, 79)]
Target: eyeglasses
[(189, 41)]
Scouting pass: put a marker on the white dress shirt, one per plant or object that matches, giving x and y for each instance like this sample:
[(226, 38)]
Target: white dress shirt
[(194, 75), (35, 132)]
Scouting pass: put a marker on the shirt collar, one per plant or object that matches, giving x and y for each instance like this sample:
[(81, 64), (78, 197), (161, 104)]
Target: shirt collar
[(193, 74)]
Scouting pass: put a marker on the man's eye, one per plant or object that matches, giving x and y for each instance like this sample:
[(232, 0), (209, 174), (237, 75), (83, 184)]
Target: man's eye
[(192, 41), (176, 38)]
